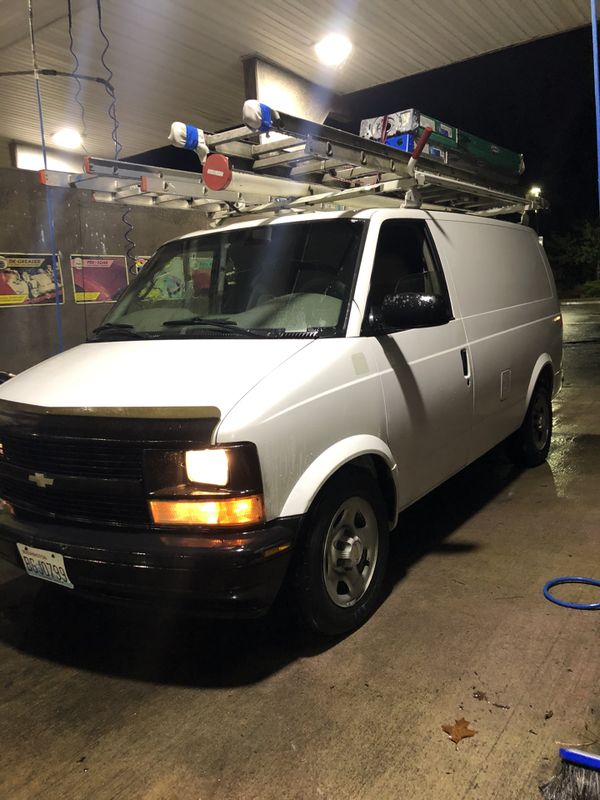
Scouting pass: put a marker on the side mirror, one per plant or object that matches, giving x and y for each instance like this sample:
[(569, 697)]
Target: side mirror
[(413, 310)]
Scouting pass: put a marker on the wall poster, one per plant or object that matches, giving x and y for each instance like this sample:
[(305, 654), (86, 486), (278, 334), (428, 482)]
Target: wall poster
[(26, 279), (98, 279), (138, 264)]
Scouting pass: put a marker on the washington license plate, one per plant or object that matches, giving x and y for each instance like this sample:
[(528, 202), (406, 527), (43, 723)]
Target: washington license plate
[(44, 564)]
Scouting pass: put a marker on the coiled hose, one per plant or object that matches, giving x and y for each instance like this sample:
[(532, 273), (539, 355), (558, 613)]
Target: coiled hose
[(565, 603)]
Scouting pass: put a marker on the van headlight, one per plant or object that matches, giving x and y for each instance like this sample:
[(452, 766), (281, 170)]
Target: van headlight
[(210, 467), (213, 486)]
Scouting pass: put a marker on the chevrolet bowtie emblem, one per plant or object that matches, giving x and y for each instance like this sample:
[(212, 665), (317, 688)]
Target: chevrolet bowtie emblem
[(41, 480)]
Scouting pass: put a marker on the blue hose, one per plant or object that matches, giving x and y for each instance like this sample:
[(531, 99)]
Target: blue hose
[(565, 603)]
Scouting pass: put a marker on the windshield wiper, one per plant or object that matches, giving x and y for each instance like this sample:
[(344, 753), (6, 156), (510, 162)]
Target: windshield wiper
[(122, 328), (318, 331), (221, 324)]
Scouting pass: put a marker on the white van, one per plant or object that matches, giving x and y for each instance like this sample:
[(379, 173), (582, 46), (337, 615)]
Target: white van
[(266, 397)]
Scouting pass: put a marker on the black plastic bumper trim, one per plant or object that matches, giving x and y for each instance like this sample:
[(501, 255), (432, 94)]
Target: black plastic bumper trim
[(230, 579)]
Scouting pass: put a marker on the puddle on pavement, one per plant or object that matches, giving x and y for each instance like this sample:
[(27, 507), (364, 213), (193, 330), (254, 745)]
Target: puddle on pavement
[(574, 461)]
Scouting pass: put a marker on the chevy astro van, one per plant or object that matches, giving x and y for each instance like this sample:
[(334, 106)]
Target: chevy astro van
[(264, 400)]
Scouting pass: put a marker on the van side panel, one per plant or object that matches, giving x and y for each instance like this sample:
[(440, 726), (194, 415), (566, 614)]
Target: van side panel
[(328, 394), (499, 266), (511, 316)]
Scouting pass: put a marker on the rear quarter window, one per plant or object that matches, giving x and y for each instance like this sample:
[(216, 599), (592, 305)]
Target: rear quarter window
[(496, 266)]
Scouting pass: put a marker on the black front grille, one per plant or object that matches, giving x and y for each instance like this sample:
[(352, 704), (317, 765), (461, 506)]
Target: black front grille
[(90, 469), (86, 458), (61, 504)]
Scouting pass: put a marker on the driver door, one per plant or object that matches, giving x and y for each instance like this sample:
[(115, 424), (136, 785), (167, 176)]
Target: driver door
[(426, 379)]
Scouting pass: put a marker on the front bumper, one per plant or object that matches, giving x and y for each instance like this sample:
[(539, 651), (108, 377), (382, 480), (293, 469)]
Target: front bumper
[(238, 574)]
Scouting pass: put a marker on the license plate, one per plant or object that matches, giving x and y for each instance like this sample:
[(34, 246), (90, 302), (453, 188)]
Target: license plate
[(45, 564)]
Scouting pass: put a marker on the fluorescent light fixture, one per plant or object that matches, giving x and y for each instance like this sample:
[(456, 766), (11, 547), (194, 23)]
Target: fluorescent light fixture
[(333, 49), (67, 139), (207, 466), (28, 156)]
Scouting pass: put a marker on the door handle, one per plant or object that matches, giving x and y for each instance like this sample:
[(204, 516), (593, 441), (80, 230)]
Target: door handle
[(466, 365)]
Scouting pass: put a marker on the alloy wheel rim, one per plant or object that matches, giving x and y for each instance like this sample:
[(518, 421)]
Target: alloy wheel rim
[(350, 552)]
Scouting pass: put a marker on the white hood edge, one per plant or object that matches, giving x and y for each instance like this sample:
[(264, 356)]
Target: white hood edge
[(170, 373)]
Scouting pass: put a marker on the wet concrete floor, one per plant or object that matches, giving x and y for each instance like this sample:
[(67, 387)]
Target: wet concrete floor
[(101, 703)]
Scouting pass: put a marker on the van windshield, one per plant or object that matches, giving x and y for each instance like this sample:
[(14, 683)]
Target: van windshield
[(291, 279)]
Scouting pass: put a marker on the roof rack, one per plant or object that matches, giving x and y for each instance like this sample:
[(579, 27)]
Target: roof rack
[(292, 164)]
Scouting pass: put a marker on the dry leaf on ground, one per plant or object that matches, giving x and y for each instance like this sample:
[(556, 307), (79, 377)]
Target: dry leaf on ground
[(460, 730)]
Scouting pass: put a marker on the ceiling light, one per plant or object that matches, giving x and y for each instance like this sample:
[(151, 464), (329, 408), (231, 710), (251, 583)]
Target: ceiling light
[(333, 49), (67, 139)]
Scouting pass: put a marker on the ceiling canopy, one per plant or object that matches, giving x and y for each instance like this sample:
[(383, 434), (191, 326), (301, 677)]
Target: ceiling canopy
[(181, 59)]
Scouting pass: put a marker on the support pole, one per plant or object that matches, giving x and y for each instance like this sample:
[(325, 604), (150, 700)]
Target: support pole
[(597, 104), (596, 91), (58, 290)]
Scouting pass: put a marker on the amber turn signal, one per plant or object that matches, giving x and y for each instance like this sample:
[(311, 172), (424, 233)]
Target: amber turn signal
[(227, 512)]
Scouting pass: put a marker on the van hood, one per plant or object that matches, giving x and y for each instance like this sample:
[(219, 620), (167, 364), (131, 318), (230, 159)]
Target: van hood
[(151, 374)]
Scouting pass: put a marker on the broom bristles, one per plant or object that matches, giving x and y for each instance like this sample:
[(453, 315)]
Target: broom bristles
[(573, 783)]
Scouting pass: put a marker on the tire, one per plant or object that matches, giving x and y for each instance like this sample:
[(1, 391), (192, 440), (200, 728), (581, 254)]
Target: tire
[(347, 524), (529, 446)]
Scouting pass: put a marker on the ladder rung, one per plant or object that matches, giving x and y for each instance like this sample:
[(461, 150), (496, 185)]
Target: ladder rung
[(357, 158), (230, 135), (240, 149), (317, 165), (275, 144), (298, 153)]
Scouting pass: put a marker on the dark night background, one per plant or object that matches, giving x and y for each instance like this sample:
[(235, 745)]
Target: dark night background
[(537, 99)]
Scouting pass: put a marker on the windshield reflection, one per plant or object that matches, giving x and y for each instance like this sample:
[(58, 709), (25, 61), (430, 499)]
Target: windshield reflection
[(271, 280)]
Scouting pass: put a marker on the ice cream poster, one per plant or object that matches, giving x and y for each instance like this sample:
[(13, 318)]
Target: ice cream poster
[(27, 279), (98, 279)]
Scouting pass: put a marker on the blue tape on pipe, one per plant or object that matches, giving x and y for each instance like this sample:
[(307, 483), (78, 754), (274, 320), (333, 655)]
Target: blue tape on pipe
[(191, 137), (266, 122)]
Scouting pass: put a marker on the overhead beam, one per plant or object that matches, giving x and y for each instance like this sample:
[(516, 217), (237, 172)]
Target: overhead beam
[(282, 89)]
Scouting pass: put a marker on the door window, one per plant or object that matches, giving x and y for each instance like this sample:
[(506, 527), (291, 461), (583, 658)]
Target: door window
[(404, 262)]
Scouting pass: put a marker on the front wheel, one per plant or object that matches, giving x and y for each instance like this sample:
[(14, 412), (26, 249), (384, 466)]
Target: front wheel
[(529, 445), (338, 576)]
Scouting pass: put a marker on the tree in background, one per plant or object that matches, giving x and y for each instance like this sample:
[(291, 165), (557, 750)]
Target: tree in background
[(575, 257)]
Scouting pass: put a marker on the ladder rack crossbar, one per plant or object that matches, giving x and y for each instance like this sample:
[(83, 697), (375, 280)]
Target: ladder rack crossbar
[(295, 164), (424, 178)]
